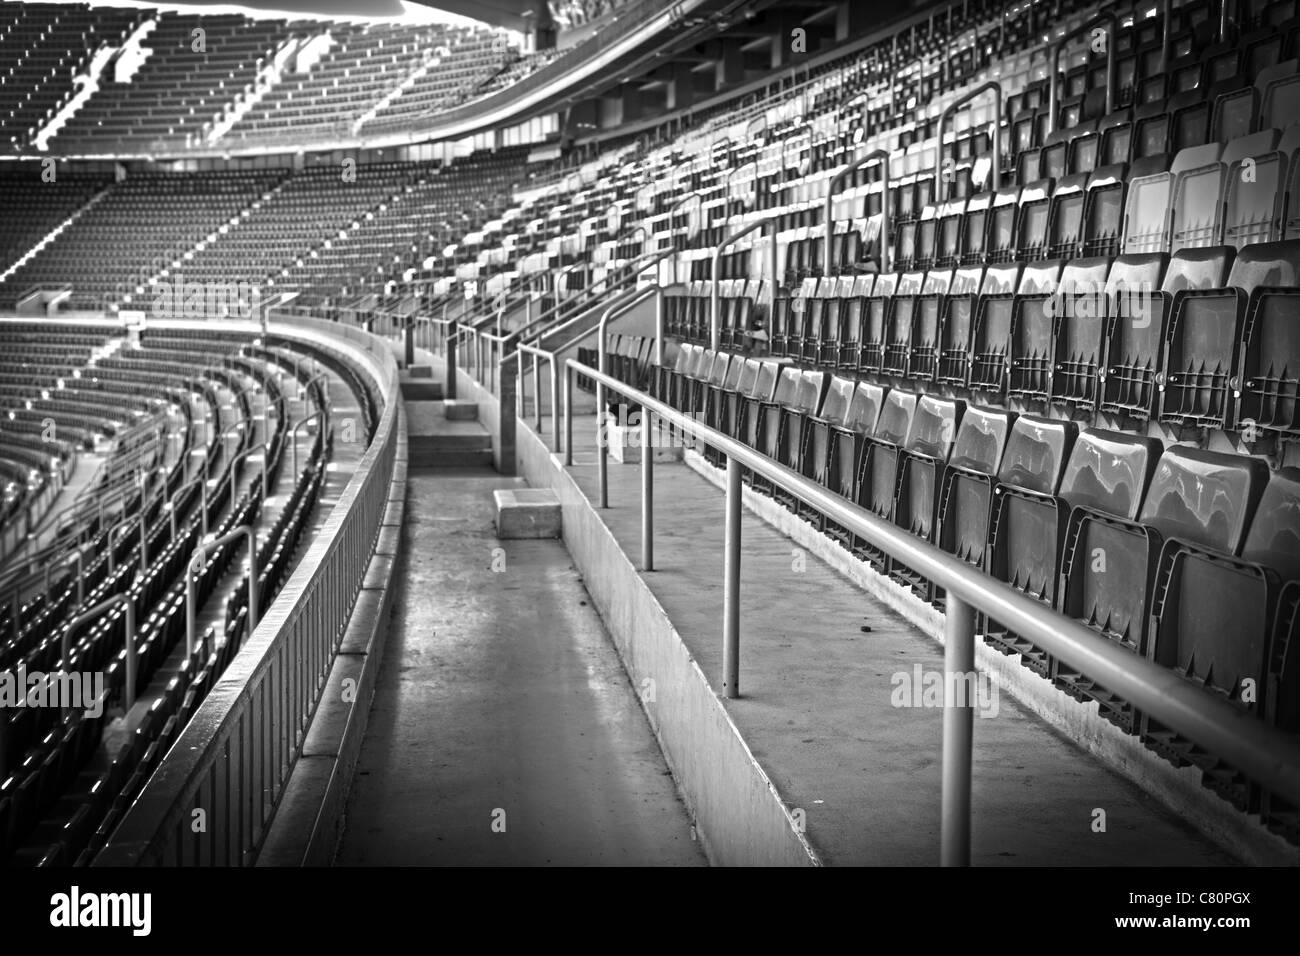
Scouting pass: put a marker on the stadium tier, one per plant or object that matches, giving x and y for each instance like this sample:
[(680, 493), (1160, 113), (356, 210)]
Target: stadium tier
[(993, 309)]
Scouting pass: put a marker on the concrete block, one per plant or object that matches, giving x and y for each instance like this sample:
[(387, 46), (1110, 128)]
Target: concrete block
[(421, 371), (527, 513)]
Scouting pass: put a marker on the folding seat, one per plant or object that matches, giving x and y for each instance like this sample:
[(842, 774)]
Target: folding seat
[(785, 320), (960, 317), (1254, 200), (710, 371), (974, 229), (1115, 136), (1195, 210), (948, 233), (1213, 613), (832, 439), (1001, 236), (1110, 560), (1269, 352), (786, 445), (995, 326), (825, 344), (899, 312), (1065, 218), (876, 469), (920, 467), (1103, 211), (1235, 113), (966, 492), (1146, 208), (851, 313), (1205, 327), (767, 412), (802, 339), (1026, 523), (745, 403), (1279, 95), (875, 310)]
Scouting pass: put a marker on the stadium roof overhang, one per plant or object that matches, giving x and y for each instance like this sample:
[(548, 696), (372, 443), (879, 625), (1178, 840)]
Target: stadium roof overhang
[(521, 15)]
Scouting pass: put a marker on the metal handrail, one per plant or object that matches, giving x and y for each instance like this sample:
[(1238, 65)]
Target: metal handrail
[(715, 296), (614, 310), (96, 611), (1053, 97), (995, 177), (318, 415), (876, 155), (266, 461), (171, 503), (1268, 755), (195, 564)]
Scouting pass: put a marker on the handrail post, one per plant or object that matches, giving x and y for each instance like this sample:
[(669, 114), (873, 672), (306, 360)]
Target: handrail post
[(647, 493), (555, 406), (995, 177), (881, 155), (1167, 12), (568, 415), (449, 387), (731, 585), (958, 731), (537, 389), (1053, 98)]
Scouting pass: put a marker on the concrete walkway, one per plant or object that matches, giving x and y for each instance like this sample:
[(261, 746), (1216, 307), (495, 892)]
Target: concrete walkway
[(820, 665), (504, 730)]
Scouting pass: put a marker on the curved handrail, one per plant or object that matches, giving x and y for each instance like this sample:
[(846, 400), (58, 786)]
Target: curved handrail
[(96, 611), (1053, 97), (614, 310), (195, 564), (995, 178), (715, 296), (881, 156)]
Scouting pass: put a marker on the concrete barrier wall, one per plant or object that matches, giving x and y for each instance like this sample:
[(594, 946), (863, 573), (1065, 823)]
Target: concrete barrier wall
[(739, 816)]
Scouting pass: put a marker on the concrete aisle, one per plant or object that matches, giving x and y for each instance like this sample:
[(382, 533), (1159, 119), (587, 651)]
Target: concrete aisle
[(504, 730), (817, 704)]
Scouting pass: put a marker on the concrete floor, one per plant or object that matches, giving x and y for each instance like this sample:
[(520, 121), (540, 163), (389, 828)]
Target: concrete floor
[(818, 659), (504, 730)]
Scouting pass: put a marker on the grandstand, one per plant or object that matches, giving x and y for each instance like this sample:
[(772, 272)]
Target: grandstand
[(667, 439)]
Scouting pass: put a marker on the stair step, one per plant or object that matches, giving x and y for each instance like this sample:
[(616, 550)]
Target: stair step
[(458, 411)]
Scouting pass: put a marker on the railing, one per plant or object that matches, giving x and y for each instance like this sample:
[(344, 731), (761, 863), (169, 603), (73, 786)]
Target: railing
[(995, 177), (715, 296), (1264, 753), (1053, 80), (234, 757), (876, 155)]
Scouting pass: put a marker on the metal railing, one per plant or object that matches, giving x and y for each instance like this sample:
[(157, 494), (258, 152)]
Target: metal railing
[(876, 155), (234, 757), (772, 225), (995, 177), (1266, 754), (1053, 79)]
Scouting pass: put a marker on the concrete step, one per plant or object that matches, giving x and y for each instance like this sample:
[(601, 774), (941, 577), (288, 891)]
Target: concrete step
[(420, 389), (460, 411), (436, 441)]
